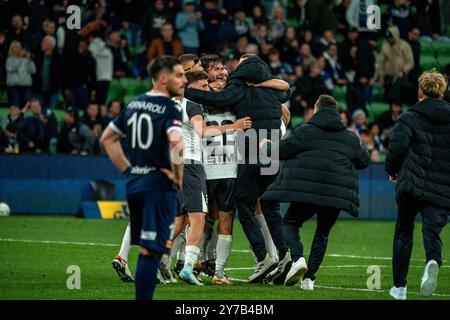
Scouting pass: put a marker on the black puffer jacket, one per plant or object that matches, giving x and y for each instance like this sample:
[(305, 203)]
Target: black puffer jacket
[(419, 152), (262, 105), (323, 156)]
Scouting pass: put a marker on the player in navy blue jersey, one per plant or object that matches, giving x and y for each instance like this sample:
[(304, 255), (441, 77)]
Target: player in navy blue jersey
[(154, 168)]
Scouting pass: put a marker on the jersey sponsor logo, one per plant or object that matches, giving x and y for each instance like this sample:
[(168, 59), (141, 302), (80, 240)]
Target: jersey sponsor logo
[(142, 170), (113, 209), (148, 235)]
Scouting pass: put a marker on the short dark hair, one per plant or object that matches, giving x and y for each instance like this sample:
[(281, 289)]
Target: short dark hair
[(209, 61), (325, 100), (188, 57), (160, 64), (196, 75), (113, 101)]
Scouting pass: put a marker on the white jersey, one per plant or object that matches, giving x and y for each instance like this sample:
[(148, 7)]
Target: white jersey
[(219, 152), (192, 141)]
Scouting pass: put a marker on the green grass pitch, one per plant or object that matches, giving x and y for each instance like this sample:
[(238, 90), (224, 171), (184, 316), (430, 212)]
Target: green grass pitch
[(36, 252)]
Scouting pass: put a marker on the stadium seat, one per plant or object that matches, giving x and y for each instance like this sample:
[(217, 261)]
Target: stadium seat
[(3, 98), (441, 47), (375, 109), (426, 48), (127, 98), (377, 93), (295, 121), (132, 86), (339, 93), (428, 62), (115, 91)]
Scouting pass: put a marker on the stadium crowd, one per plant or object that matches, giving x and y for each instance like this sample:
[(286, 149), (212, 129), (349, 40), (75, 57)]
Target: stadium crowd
[(317, 46)]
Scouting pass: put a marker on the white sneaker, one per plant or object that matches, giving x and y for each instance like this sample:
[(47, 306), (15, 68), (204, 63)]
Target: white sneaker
[(122, 269), (307, 284), (298, 270), (429, 278), (398, 293), (262, 269)]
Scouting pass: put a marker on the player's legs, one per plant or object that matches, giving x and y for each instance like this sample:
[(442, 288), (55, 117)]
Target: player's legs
[(403, 240), (326, 218), (434, 220), (270, 246), (151, 217), (120, 262), (223, 248)]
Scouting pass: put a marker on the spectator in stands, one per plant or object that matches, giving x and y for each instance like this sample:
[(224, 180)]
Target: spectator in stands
[(120, 57), (398, 13), (351, 40), (15, 115), (258, 18), (282, 70), (49, 75), (74, 136), (288, 46), (8, 139), (242, 45), (81, 76), (356, 14), (277, 23), (340, 13), (414, 74), (104, 66), (3, 57), (387, 120), (395, 61), (332, 66), (92, 118), (212, 18), (359, 121), (189, 23), (314, 14), (19, 69), (365, 76), (263, 40), (37, 13), (305, 58), (324, 42), (307, 90), (240, 26), (153, 20), (130, 12), (17, 32), (48, 29), (114, 109), (166, 44), (429, 18), (38, 129), (345, 118)]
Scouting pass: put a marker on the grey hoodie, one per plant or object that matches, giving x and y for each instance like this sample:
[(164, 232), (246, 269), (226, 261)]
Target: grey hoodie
[(19, 71)]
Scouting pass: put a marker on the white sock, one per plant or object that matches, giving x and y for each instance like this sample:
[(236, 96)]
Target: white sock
[(211, 253), (126, 244), (223, 252), (270, 246), (192, 253), (178, 244)]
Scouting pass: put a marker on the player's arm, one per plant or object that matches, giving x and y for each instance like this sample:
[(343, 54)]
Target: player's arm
[(176, 151), (203, 130), (276, 84), (232, 93), (111, 142), (285, 114)]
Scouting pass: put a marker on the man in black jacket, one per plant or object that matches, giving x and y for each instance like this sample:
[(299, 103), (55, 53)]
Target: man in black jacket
[(263, 106), (419, 162), (319, 177)]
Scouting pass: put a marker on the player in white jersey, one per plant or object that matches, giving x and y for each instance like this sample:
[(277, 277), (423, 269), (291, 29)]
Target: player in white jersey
[(194, 193)]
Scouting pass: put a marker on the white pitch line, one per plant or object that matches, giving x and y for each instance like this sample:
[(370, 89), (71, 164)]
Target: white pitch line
[(333, 255), (354, 289), (332, 267)]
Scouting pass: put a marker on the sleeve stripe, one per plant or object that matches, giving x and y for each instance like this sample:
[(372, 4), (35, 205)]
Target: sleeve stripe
[(173, 128), (115, 128)]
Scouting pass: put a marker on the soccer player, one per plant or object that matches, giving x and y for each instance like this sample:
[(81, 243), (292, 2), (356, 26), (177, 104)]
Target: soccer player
[(194, 194), (152, 126), (120, 262), (419, 163)]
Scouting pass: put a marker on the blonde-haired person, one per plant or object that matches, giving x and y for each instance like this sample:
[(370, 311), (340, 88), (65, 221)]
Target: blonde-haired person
[(419, 163), (19, 68)]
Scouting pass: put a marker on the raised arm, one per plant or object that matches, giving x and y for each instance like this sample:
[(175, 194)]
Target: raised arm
[(203, 130), (276, 84), (219, 99)]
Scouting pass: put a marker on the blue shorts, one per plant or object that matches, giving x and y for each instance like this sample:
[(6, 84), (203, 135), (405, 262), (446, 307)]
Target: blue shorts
[(152, 217)]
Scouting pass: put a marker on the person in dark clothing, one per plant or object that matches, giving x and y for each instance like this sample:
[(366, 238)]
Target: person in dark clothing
[(120, 56), (81, 76), (399, 14), (319, 177), (37, 131), (263, 106), (75, 137), (413, 40), (307, 90), (19, 33), (8, 139), (387, 120), (49, 75), (428, 16), (153, 20), (419, 163)]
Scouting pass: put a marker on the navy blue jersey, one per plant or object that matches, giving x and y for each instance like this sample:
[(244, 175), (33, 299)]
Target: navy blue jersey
[(145, 121)]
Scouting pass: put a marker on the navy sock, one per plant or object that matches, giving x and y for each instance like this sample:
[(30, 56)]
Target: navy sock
[(146, 277)]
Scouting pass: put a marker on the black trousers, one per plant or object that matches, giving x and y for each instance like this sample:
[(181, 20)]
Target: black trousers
[(250, 185), (434, 220), (296, 215)]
